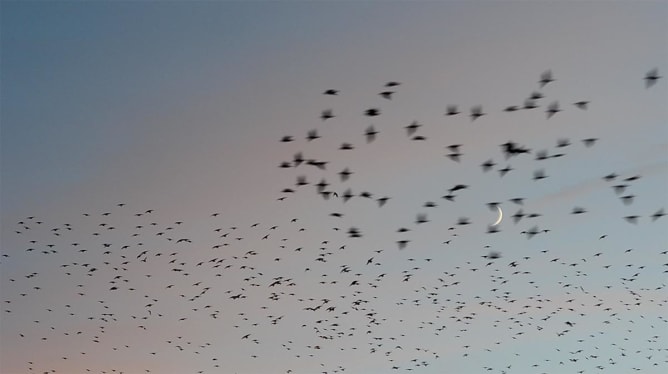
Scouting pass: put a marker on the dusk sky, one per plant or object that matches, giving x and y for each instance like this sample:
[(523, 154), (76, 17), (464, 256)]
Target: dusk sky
[(153, 220)]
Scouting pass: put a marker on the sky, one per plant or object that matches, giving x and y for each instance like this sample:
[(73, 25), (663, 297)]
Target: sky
[(146, 225)]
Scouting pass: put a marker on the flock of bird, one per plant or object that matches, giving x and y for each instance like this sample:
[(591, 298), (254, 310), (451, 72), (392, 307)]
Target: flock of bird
[(130, 284)]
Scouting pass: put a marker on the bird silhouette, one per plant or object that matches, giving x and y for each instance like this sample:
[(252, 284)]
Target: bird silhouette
[(652, 77), (476, 112), (412, 128), (386, 95), (553, 109), (452, 110), (545, 78), (312, 135), (581, 104), (326, 114), (370, 134)]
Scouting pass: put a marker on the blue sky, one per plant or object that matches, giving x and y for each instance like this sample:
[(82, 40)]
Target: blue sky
[(178, 107)]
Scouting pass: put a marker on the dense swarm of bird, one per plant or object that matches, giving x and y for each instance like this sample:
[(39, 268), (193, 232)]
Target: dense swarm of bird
[(239, 281)]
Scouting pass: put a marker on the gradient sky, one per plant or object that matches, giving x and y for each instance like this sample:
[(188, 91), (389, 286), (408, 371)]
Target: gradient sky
[(178, 108)]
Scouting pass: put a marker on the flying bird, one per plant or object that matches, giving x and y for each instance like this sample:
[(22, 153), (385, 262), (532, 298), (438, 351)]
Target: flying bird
[(312, 135), (345, 174), (326, 114), (386, 95), (504, 171), (535, 95), (370, 134), (454, 156), (545, 78), (487, 165), (581, 104), (553, 109), (539, 174), (476, 112), (578, 210), (563, 142), (659, 213), (382, 201), (652, 77), (589, 141), (412, 128), (632, 219), (454, 147), (451, 110), (530, 104)]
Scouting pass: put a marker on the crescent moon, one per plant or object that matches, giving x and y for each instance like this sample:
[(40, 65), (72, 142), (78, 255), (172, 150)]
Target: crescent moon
[(498, 220)]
